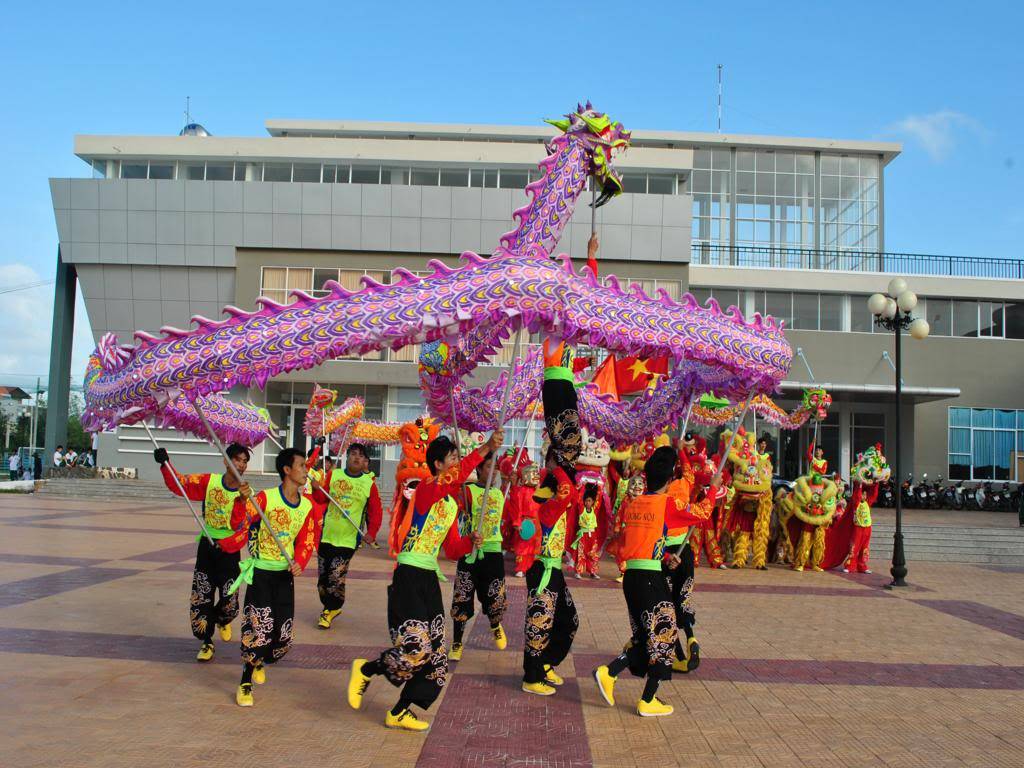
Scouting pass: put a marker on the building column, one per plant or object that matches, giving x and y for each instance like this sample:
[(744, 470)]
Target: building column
[(843, 411), (59, 390)]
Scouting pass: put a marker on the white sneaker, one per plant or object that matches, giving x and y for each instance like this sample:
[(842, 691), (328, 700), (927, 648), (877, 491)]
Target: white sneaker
[(519, 574), (846, 570), (867, 570), (578, 575)]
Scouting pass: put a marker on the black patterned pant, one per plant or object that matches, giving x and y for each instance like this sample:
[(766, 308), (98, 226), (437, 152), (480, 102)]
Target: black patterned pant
[(210, 604), (551, 623), (652, 619), (267, 617), (332, 568), (562, 420), (680, 585), (486, 579), (417, 661)]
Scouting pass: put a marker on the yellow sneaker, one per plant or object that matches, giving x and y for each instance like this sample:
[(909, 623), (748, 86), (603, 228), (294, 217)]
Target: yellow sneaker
[(817, 569), (405, 720), (500, 641), (692, 654), (551, 677), (243, 696), (327, 618), (259, 674), (540, 689), (681, 665), (653, 708), (605, 684), (455, 654), (225, 631), (798, 568), (357, 684), (206, 651)]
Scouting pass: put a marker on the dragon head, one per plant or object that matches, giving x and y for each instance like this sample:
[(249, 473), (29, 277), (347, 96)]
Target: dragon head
[(870, 467), (604, 139), (814, 499), (322, 397), (817, 402), (751, 471)]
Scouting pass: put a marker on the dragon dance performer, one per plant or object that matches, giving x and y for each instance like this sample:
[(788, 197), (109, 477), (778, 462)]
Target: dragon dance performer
[(211, 605), (551, 619), (586, 550), (816, 460), (269, 611), (697, 470), (679, 570), (647, 521), (417, 660), (482, 571), (521, 508), (860, 551), (355, 487)]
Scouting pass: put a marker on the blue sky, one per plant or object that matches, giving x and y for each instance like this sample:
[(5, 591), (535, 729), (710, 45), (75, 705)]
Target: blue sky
[(945, 83)]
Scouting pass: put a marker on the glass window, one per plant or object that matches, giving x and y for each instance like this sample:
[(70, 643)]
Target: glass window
[(1004, 419), (960, 417), (306, 172), (849, 166), (510, 179), (320, 278), (779, 305), (721, 159), (959, 466), (342, 173), (784, 162), (830, 186), (1013, 319), (701, 158), (99, 169), (831, 312), (454, 177), (661, 184), (829, 164), (1002, 454), (365, 174), (425, 177), (869, 167), (991, 315), (805, 311), (274, 284), (634, 182), (861, 320), (240, 171), (194, 172), (981, 417), (959, 440), (487, 178), (133, 170), (161, 171), (965, 318), (277, 172), (765, 161), (398, 177), (940, 316), (744, 160), (219, 172), (981, 455), (701, 295), (804, 163), (330, 173)]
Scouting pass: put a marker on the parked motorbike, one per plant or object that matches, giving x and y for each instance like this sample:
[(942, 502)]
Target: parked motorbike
[(886, 495), (922, 499), (907, 497)]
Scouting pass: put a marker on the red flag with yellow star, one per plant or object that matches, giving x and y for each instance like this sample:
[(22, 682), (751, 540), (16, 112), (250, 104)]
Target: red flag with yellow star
[(629, 375)]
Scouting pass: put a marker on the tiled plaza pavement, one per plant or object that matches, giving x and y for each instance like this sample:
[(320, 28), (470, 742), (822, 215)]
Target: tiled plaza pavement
[(97, 669)]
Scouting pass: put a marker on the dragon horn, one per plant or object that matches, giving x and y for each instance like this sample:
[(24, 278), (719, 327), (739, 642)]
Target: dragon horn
[(562, 125)]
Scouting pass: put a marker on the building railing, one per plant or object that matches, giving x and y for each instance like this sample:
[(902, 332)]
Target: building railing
[(771, 257)]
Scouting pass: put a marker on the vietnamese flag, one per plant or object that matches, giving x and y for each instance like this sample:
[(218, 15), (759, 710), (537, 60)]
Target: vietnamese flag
[(629, 375)]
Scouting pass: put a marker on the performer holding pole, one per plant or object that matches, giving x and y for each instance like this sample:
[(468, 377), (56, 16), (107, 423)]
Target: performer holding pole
[(651, 651), (212, 605), (269, 612), (417, 661)]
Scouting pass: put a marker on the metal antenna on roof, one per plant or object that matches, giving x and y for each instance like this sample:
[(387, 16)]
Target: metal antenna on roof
[(188, 111), (719, 98)]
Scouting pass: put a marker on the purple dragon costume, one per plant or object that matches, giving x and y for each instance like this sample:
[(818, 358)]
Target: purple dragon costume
[(462, 315)]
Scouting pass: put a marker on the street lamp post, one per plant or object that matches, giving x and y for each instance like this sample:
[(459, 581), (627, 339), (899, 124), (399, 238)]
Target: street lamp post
[(892, 312)]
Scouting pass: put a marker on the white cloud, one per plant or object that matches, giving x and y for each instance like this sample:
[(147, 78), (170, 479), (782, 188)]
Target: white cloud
[(938, 132), (28, 326)]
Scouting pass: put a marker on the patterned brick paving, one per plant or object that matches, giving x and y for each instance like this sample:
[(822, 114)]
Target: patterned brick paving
[(1011, 624), (796, 670)]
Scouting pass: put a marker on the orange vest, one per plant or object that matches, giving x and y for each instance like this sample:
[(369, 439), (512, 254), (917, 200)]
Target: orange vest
[(679, 489), (643, 528)]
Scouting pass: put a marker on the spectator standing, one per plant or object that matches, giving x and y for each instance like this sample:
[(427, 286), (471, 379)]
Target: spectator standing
[(12, 465), (37, 466), (58, 456)]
